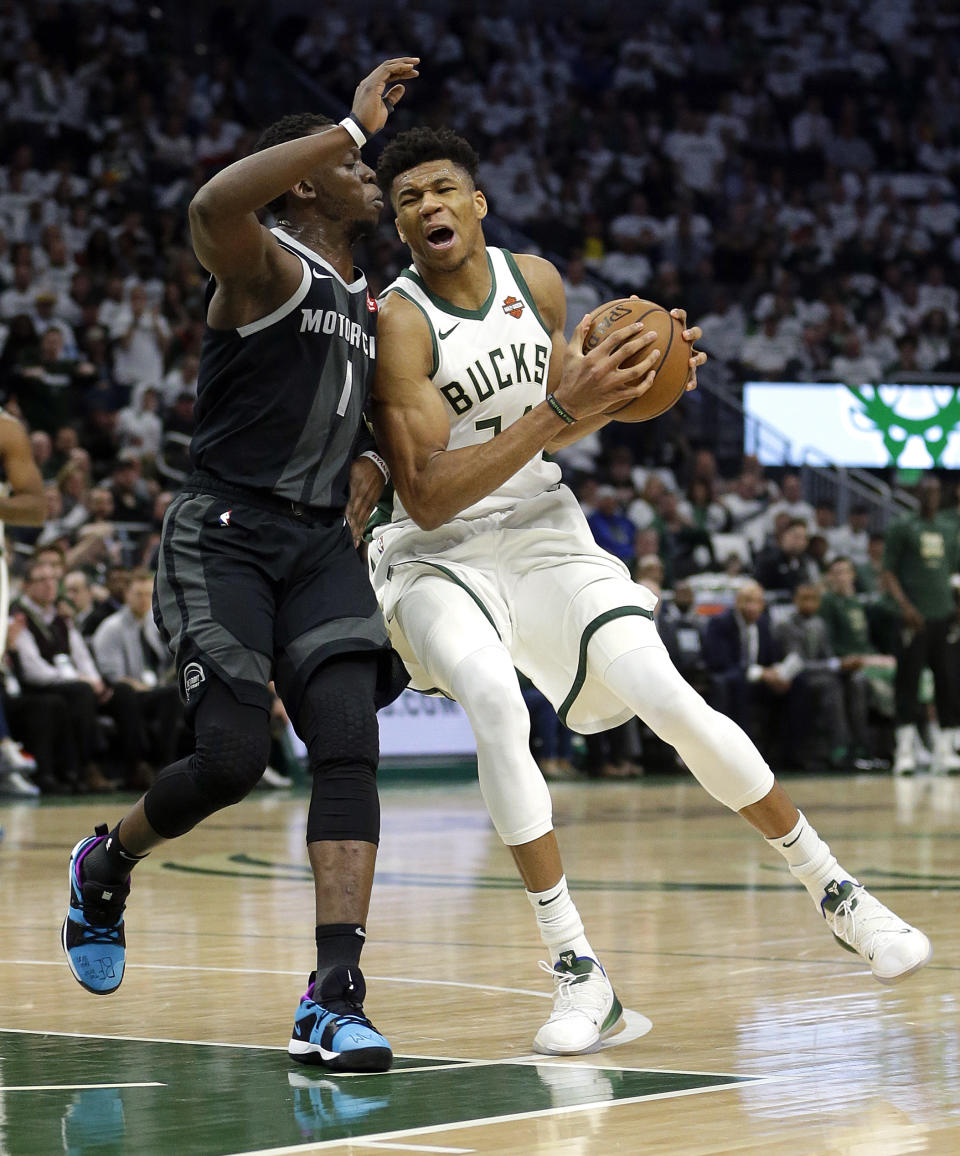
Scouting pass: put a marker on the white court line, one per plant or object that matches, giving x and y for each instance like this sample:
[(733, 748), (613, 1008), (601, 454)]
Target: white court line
[(460, 1061), (267, 971), (4, 1088), (417, 1148), (483, 1121)]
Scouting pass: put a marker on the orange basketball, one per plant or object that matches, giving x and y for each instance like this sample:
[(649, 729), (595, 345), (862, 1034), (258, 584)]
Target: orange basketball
[(670, 378)]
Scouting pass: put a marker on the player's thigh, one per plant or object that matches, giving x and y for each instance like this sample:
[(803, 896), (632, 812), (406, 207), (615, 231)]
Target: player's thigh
[(213, 602), (443, 625), (565, 609), (326, 608)]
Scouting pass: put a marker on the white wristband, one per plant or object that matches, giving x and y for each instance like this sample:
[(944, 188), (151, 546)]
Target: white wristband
[(355, 129), (378, 462)]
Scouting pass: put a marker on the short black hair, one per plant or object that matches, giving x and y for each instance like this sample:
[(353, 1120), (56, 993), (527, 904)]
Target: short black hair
[(288, 128), (418, 145)]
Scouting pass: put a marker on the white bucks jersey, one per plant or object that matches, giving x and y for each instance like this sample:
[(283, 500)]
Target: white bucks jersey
[(490, 368)]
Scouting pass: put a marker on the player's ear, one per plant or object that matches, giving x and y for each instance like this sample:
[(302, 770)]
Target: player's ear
[(396, 221), (304, 190), (480, 201)]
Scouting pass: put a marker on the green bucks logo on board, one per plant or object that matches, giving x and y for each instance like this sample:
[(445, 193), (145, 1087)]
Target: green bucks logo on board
[(887, 410)]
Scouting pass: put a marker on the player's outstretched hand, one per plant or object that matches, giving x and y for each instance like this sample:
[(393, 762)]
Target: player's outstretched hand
[(595, 382), (697, 356), (377, 95)]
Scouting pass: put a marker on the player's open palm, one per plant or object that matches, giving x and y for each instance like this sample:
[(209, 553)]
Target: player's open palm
[(377, 95)]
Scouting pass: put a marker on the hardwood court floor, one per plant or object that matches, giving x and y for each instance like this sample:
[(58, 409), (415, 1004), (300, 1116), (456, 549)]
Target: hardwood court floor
[(765, 1036)]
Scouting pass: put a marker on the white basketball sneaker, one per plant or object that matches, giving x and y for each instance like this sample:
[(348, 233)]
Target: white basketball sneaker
[(585, 1007), (862, 924)]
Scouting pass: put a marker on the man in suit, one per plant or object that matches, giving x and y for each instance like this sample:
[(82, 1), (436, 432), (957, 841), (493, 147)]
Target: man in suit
[(130, 653), (818, 722), (742, 655)]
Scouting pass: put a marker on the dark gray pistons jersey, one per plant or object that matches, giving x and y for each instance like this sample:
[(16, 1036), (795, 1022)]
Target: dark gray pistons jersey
[(280, 401)]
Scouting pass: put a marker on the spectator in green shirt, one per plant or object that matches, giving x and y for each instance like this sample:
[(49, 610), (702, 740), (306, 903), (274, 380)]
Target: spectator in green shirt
[(920, 557)]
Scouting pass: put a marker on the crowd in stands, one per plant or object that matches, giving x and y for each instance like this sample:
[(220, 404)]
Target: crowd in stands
[(713, 157), (788, 172)]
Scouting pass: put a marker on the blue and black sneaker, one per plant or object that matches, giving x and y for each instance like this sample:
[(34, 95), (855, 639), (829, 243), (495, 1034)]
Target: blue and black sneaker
[(330, 1028), (92, 933)]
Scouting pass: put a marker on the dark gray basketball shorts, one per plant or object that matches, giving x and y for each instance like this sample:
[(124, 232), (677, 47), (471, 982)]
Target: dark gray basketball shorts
[(252, 594)]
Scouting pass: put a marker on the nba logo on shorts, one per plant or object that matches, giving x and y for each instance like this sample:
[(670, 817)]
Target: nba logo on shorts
[(193, 679)]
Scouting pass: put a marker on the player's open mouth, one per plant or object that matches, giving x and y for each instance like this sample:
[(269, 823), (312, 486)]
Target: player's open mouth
[(440, 237)]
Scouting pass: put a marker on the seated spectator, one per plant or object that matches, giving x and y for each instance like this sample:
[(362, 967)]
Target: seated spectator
[(139, 428), (818, 550), (681, 629), (34, 722), (820, 736), (792, 502), (765, 355), (618, 471), (746, 501), (701, 509), (140, 336), (853, 366), (60, 525), (41, 444), (52, 657), (612, 530), (16, 766), (853, 538), (49, 386), (742, 656), (132, 500), (685, 548), (649, 571), (787, 565), (130, 653)]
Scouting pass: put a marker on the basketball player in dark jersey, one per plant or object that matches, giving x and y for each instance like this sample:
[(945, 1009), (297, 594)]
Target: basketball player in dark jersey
[(258, 574)]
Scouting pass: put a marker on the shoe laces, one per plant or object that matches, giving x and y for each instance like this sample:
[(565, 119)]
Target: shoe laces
[(589, 996), (861, 920)]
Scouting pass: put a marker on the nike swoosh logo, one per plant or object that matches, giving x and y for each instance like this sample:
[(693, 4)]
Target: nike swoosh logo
[(449, 331), (544, 902), (321, 276), (792, 841)]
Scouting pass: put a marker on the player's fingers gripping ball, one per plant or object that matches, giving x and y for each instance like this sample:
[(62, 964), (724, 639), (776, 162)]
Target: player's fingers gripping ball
[(670, 375)]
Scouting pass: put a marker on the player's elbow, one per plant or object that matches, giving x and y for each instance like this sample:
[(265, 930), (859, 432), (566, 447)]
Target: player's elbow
[(200, 208), (424, 508), (427, 517)]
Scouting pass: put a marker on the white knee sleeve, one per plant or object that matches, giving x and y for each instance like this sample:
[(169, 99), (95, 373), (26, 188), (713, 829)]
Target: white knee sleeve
[(723, 759), (485, 684)]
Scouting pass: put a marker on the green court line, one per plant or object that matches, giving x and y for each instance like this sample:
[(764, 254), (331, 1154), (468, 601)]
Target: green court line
[(297, 873)]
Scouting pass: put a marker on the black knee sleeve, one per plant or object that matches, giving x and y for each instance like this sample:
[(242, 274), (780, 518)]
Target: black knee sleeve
[(233, 743), (338, 723)]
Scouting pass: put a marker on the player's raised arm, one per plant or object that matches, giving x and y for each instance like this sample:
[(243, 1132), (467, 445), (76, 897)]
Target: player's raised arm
[(227, 236)]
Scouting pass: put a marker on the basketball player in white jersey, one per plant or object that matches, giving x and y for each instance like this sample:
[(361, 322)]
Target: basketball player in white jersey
[(488, 564)]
